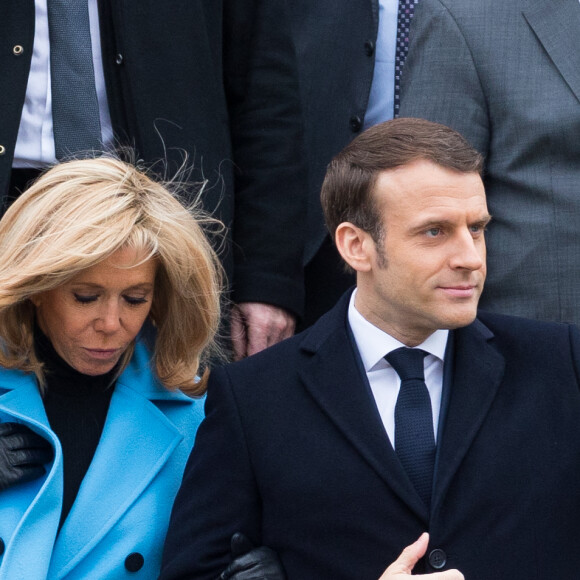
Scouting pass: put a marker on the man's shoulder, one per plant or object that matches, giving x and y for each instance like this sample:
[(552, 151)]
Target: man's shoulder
[(523, 329), (327, 336)]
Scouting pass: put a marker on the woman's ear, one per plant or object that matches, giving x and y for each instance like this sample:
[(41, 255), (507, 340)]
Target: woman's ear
[(355, 246)]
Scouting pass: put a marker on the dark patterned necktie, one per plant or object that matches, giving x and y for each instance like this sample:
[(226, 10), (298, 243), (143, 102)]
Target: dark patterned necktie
[(414, 438), (405, 14), (75, 109)]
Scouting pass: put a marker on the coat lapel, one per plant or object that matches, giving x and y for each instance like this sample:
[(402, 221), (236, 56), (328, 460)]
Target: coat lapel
[(476, 375), (332, 376), (137, 441), (556, 24), (35, 505)]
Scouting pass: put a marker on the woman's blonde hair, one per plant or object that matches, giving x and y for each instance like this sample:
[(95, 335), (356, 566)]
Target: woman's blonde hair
[(79, 213)]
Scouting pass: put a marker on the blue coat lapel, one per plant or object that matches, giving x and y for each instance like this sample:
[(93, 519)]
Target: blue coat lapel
[(333, 378), (137, 441), (556, 24), (475, 378), (37, 504)]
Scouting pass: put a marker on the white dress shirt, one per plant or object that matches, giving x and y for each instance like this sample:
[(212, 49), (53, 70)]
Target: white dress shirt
[(382, 96), (35, 141), (373, 344)]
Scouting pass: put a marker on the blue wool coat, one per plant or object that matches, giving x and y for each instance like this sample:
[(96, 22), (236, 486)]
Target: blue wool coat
[(120, 516)]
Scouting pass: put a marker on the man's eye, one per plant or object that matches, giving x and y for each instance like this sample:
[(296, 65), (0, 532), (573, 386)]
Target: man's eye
[(85, 298), (433, 232)]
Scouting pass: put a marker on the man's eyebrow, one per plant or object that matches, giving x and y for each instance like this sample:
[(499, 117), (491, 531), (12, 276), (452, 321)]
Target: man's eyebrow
[(429, 223), (484, 220)]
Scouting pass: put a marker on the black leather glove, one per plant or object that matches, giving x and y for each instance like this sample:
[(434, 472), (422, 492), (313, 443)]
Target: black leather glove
[(22, 454), (252, 563)]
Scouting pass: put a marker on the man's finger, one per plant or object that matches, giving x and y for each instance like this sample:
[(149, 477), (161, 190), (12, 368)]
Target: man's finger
[(238, 334), (257, 334), (405, 563)]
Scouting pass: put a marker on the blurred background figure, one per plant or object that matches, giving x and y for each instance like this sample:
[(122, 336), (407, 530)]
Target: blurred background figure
[(214, 80), (95, 425), (507, 76), (350, 57)]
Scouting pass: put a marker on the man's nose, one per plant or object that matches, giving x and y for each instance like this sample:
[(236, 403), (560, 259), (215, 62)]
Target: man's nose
[(469, 252)]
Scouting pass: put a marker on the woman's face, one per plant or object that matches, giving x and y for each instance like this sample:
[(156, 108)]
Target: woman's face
[(92, 319)]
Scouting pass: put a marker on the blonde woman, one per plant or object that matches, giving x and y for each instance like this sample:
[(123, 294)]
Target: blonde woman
[(95, 424)]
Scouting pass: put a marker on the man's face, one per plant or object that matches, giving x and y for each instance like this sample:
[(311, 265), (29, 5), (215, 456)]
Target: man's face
[(427, 272)]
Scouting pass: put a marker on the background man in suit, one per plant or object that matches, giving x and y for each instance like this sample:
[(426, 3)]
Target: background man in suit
[(212, 79), (307, 443), (350, 55), (507, 76)]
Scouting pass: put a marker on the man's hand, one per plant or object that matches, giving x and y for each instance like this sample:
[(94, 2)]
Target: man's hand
[(255, 326), (404, 564)]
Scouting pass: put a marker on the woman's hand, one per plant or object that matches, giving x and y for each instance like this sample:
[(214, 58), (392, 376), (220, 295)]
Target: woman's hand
[(252, 563), (22, 454), (404, 564)]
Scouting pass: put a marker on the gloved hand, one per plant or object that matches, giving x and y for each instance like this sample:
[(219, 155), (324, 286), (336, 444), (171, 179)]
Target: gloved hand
[(22, 454), (252, 563)]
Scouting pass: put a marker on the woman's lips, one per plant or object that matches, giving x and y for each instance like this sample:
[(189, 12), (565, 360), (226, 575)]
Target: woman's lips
[(102, 354)]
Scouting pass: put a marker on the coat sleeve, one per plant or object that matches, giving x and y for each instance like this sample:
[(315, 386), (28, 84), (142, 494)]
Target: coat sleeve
[(218, 495), (440, 79), (261, 82)]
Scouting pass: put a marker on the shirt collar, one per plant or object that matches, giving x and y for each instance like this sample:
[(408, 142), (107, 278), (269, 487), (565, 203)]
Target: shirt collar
[(373, 343)]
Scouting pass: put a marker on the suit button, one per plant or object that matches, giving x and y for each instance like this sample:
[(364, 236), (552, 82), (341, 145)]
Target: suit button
[(134, 562), (2, 149), (437, 558), (369, 48), (18, 50), (119, 59), (355, 123)]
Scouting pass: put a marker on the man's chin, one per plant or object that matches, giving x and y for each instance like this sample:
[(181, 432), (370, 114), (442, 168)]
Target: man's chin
[(460, 319)]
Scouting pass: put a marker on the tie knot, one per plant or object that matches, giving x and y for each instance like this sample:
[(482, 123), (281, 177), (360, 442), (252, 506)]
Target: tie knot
[(408, 362)]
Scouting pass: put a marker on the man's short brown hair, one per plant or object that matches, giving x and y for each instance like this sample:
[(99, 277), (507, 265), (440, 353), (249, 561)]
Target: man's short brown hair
[(351, 176)]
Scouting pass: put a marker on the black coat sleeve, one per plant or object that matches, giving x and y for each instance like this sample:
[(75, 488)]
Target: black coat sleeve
[(261, 80), (218, 495)]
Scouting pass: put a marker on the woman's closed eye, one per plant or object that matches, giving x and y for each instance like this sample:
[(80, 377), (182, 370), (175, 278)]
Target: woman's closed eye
[(135, 300), (85, 298)]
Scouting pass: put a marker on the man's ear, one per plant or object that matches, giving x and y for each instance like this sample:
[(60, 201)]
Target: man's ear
[(355, 246)]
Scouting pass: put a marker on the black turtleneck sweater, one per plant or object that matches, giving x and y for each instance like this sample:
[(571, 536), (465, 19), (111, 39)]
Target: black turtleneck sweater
[(76, 406)]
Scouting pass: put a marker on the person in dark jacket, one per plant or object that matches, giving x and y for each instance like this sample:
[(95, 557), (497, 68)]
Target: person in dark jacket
[(213, 81)]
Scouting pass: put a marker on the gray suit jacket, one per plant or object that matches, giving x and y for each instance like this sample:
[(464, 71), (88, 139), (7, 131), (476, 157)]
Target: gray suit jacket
[(507, 76)]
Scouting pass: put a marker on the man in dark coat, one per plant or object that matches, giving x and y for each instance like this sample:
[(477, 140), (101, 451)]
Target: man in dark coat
[(336, 452), (211, 79)]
